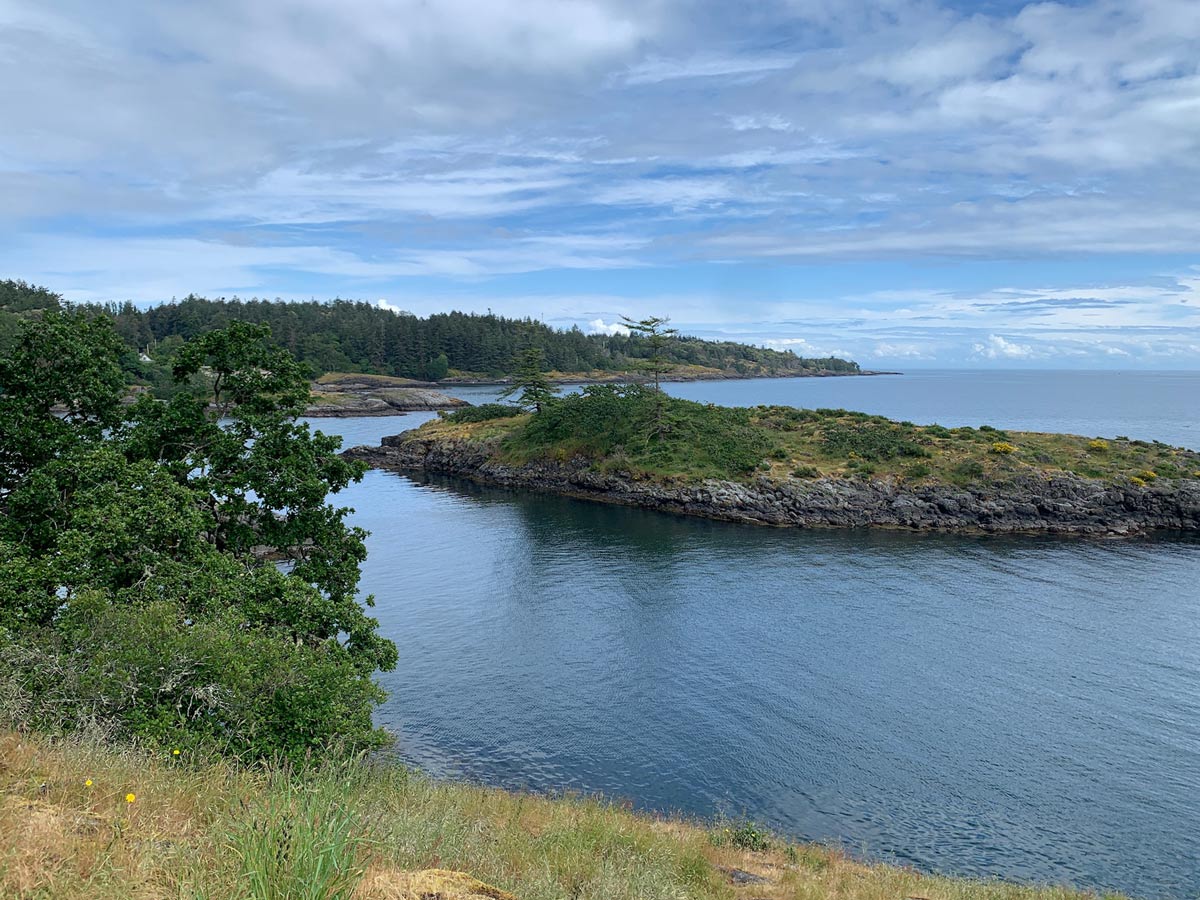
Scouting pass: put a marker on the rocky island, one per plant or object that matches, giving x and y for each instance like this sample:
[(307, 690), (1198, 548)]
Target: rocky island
[(782, 466), (339, 394)]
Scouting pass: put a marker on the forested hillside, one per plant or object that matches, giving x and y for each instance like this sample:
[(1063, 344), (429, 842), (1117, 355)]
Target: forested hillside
[(346, 336), (349, 336), (18, 301)]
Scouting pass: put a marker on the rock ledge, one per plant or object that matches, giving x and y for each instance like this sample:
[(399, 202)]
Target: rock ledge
[(1057, 503)]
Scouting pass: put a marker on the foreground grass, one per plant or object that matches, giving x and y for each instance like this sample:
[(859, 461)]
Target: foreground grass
[(212, 830), (668, 438)]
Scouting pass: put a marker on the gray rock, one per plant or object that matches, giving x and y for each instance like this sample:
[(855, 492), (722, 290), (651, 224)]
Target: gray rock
[(1062, 504)]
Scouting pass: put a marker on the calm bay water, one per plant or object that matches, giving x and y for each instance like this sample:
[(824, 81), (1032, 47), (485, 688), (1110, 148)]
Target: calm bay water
[(1013, 706)]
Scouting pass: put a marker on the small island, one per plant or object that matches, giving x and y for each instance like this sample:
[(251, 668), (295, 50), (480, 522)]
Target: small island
[(341, 395), (777, 465)]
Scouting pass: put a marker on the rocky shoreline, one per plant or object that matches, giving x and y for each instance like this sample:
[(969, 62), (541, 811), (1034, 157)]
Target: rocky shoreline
[(573, 379), (1060, 503), (367, 400)]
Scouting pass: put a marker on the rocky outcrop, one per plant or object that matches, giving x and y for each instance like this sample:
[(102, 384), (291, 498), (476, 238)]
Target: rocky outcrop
[(364, 400), (1054, 504)]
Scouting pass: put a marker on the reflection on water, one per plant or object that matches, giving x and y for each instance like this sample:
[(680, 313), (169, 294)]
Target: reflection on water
[(1016, 706)]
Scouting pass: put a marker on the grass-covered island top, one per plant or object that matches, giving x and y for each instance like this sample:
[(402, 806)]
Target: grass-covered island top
[(786, 466)]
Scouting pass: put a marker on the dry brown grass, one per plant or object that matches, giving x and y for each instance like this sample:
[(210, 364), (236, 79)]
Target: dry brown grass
[(62, 838)]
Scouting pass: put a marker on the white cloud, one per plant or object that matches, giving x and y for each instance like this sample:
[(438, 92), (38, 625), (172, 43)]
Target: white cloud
[(900, 351), (996, 347), (803, 347), (768, 121), (599, 326), (677, 193), (655, 69), (153, 149), (384, 304)]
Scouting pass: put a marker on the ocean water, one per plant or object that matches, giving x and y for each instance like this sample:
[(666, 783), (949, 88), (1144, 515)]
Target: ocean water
[(1018, 706)]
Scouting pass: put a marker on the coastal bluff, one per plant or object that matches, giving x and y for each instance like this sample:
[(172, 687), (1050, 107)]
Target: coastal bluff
[(1049, 503)]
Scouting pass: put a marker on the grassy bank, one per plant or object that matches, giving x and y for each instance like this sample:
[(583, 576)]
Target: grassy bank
[(211, 829), (630, 430)]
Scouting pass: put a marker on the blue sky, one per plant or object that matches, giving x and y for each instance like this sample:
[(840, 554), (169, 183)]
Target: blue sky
[(907, 183)]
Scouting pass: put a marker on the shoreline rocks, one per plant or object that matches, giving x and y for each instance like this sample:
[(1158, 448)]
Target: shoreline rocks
[(671, 377), (1057, 503), (365, 400)]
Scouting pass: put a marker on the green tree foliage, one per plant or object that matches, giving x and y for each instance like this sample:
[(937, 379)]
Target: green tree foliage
[(173, 569), (60, 385), (358, 337), (658, 338), (612, 424), (20, 297), (19, 301), (530, 384)]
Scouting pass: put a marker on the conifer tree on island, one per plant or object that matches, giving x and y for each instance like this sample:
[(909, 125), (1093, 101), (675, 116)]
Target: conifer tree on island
[(535, 388), (654, 329)]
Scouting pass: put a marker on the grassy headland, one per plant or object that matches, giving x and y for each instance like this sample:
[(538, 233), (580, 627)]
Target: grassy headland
[(807, 468), (614, 430), (212, 829)]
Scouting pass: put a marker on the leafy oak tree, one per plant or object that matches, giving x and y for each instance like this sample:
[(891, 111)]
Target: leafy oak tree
[(173, 570)]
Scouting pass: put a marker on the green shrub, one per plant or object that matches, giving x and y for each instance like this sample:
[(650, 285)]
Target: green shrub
[(806, 472), (745, 836), (482, 413), (687, 438), (155, 673), (918, 471), (871, 441), (937, 431), (968, 470)]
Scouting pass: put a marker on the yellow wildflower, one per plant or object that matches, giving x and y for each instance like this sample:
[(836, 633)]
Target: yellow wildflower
[(175, 752), (88, 783), (129, 798)]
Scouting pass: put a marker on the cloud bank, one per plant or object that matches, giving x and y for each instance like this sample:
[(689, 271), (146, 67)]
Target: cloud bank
[(920, 182)]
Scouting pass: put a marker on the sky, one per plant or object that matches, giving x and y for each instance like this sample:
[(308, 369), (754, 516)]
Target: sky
[(905, 183)]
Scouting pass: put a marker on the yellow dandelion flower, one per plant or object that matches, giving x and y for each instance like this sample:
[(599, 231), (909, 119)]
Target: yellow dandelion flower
[(129, 798), (88, 783), (175, 752)]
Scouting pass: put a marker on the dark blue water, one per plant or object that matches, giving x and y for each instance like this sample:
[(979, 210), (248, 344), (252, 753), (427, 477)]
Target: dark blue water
[(1013, 706)]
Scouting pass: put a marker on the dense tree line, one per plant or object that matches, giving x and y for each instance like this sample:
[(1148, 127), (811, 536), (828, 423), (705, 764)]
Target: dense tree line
[(350, 336), (19, 301)]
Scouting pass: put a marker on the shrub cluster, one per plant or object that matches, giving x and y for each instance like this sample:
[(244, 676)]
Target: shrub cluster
[(744, 835), (484, 412), (872, 441), (649, 430)]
